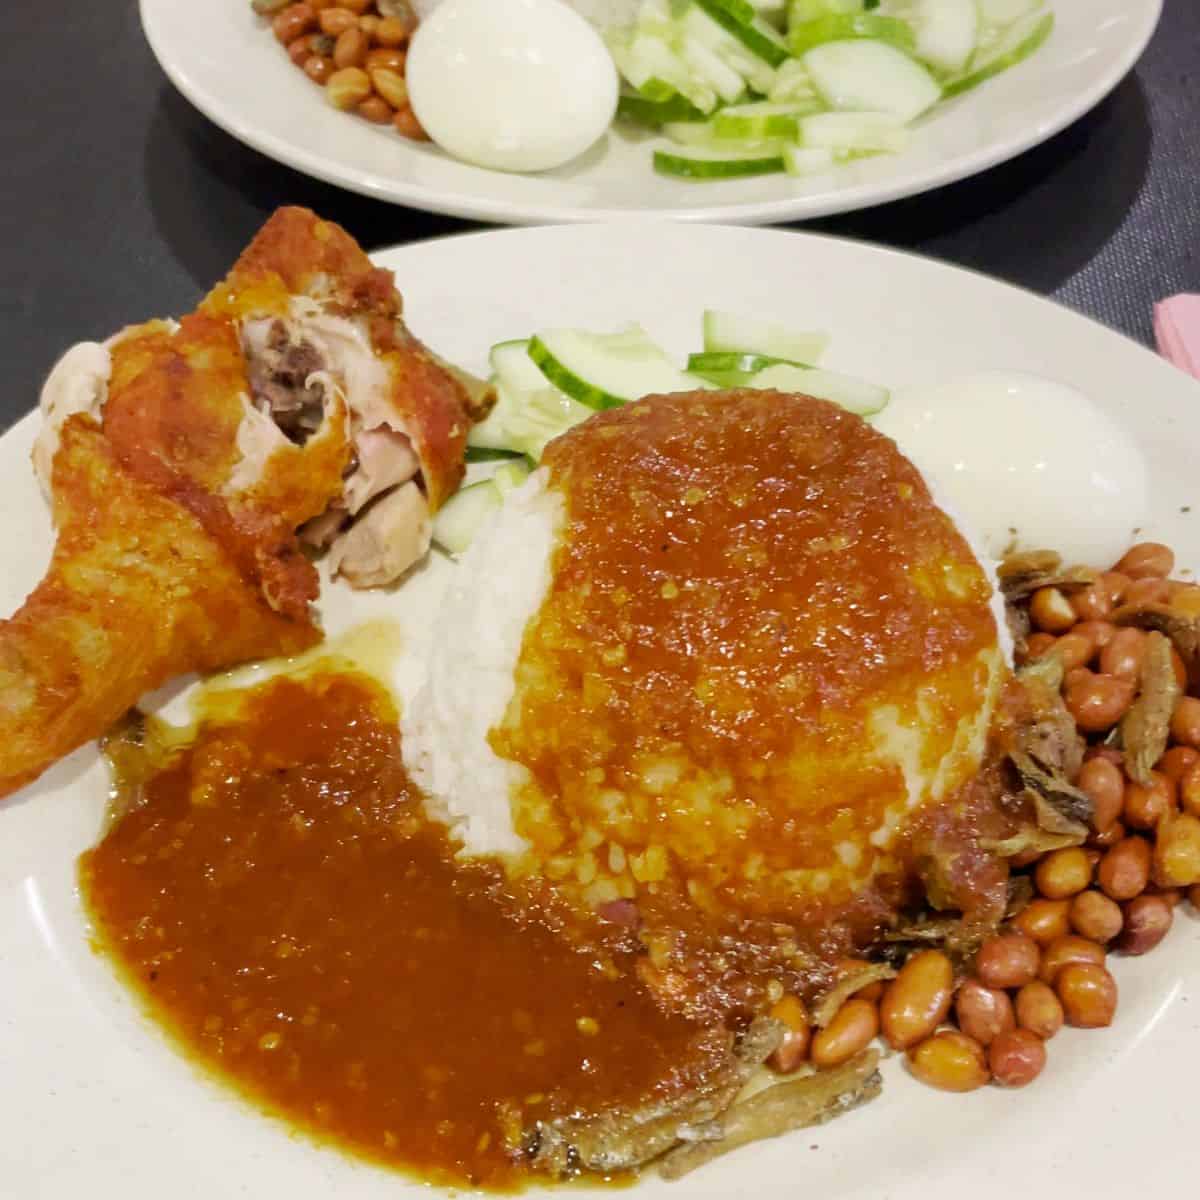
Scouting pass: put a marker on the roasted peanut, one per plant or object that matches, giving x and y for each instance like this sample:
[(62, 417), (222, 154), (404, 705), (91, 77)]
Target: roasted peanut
[(1147, 921), (1124, 870), (1189, 790), (293, 21), (1044, 920), (1051, 611), (350, 49), (300, 50), (392, 32), (1037, 644), (1116, 584), (390, 85), (369, 24), (951, 1061), (376, 110), (1147, 560), (1124, 654), (1007, 960), (1148, 591), (407, 125), (1107, 837), (1075, 649), (1194, 895), (916, 1002), (1088, 994), (852, 1029), (1091, 603), (1065, 950), (1100, 632), (983, 1012), (389, 60), (1185, 721), (1016, 1057), (1095, 916), (1038, 1009), (793, 1050), (1099, 702), (1177, 761), (1104, 785), (1146, 804), (1061, 874), (1176, 855), (348, 88), (335, 21), (318, 69)]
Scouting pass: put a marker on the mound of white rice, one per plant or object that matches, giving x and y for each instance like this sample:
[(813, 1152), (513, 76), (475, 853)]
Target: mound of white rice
[(499, 585)]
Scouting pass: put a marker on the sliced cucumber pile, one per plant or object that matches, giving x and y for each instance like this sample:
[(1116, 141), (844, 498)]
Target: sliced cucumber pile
[(757, 87), (553, 380)]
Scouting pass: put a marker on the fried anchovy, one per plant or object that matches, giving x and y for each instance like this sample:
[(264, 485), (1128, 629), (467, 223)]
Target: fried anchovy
[(625, 1138), (797, 1104), (1023, 574), (1145, 727), (1061, 807), (1183, 630)]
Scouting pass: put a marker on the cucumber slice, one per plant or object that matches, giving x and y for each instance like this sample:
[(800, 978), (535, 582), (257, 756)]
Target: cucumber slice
[(656, 113), (696, 23), (836, 27), (699, 162), (854, 395), (793, 85), (461, 517), (800, 11), (757, 121), (1014, 45), (808, 160), (756, 35), (872, 77), (509, 477), (606, 370), (484, 454), (524, 422), (712, 69), (751, 335), (703, 135), (851, 133), (514, 371), (740, 11), (729, 369), (648, 63), (946, 33)]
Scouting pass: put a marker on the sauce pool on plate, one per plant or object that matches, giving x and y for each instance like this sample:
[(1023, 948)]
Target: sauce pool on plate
[(274, 893)]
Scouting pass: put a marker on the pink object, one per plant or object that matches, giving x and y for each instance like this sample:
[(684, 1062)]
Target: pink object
[(1177, 331)]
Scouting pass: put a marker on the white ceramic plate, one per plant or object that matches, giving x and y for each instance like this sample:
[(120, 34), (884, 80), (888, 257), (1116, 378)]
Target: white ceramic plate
[(94, 1102), (233, 70)]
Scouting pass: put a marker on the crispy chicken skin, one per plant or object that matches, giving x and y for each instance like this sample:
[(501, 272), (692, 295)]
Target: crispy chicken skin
[(179, 490), (138, 591)]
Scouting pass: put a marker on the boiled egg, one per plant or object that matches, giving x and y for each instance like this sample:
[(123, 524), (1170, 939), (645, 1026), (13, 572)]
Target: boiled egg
[(517, 85), (1030, 463)]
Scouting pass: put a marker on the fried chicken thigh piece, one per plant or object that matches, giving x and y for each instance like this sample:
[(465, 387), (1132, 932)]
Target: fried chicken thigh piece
[(138, 592)]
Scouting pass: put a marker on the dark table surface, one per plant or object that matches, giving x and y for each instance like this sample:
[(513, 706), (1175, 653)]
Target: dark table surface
[(119, 201)]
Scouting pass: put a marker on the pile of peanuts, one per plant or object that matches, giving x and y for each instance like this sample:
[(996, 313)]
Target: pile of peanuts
[(1047, 966), (355, 50)]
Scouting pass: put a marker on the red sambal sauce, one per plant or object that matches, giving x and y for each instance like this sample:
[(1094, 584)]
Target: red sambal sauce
[(278, 899)]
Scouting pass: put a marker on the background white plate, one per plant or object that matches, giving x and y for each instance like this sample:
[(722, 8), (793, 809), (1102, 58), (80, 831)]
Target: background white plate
[(92, 1100), (230, 66)]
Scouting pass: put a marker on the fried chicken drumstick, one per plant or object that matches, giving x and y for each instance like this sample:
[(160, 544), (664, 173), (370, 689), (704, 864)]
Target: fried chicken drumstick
[(187, 463)]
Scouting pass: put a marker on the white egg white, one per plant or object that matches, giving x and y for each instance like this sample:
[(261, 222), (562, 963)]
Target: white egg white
[(1029, 463), (514, 85)]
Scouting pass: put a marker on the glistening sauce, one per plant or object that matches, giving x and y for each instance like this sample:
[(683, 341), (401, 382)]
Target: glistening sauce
[(277, 898)]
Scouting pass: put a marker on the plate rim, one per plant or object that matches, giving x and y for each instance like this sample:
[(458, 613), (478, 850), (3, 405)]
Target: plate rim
[(478, 207)]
